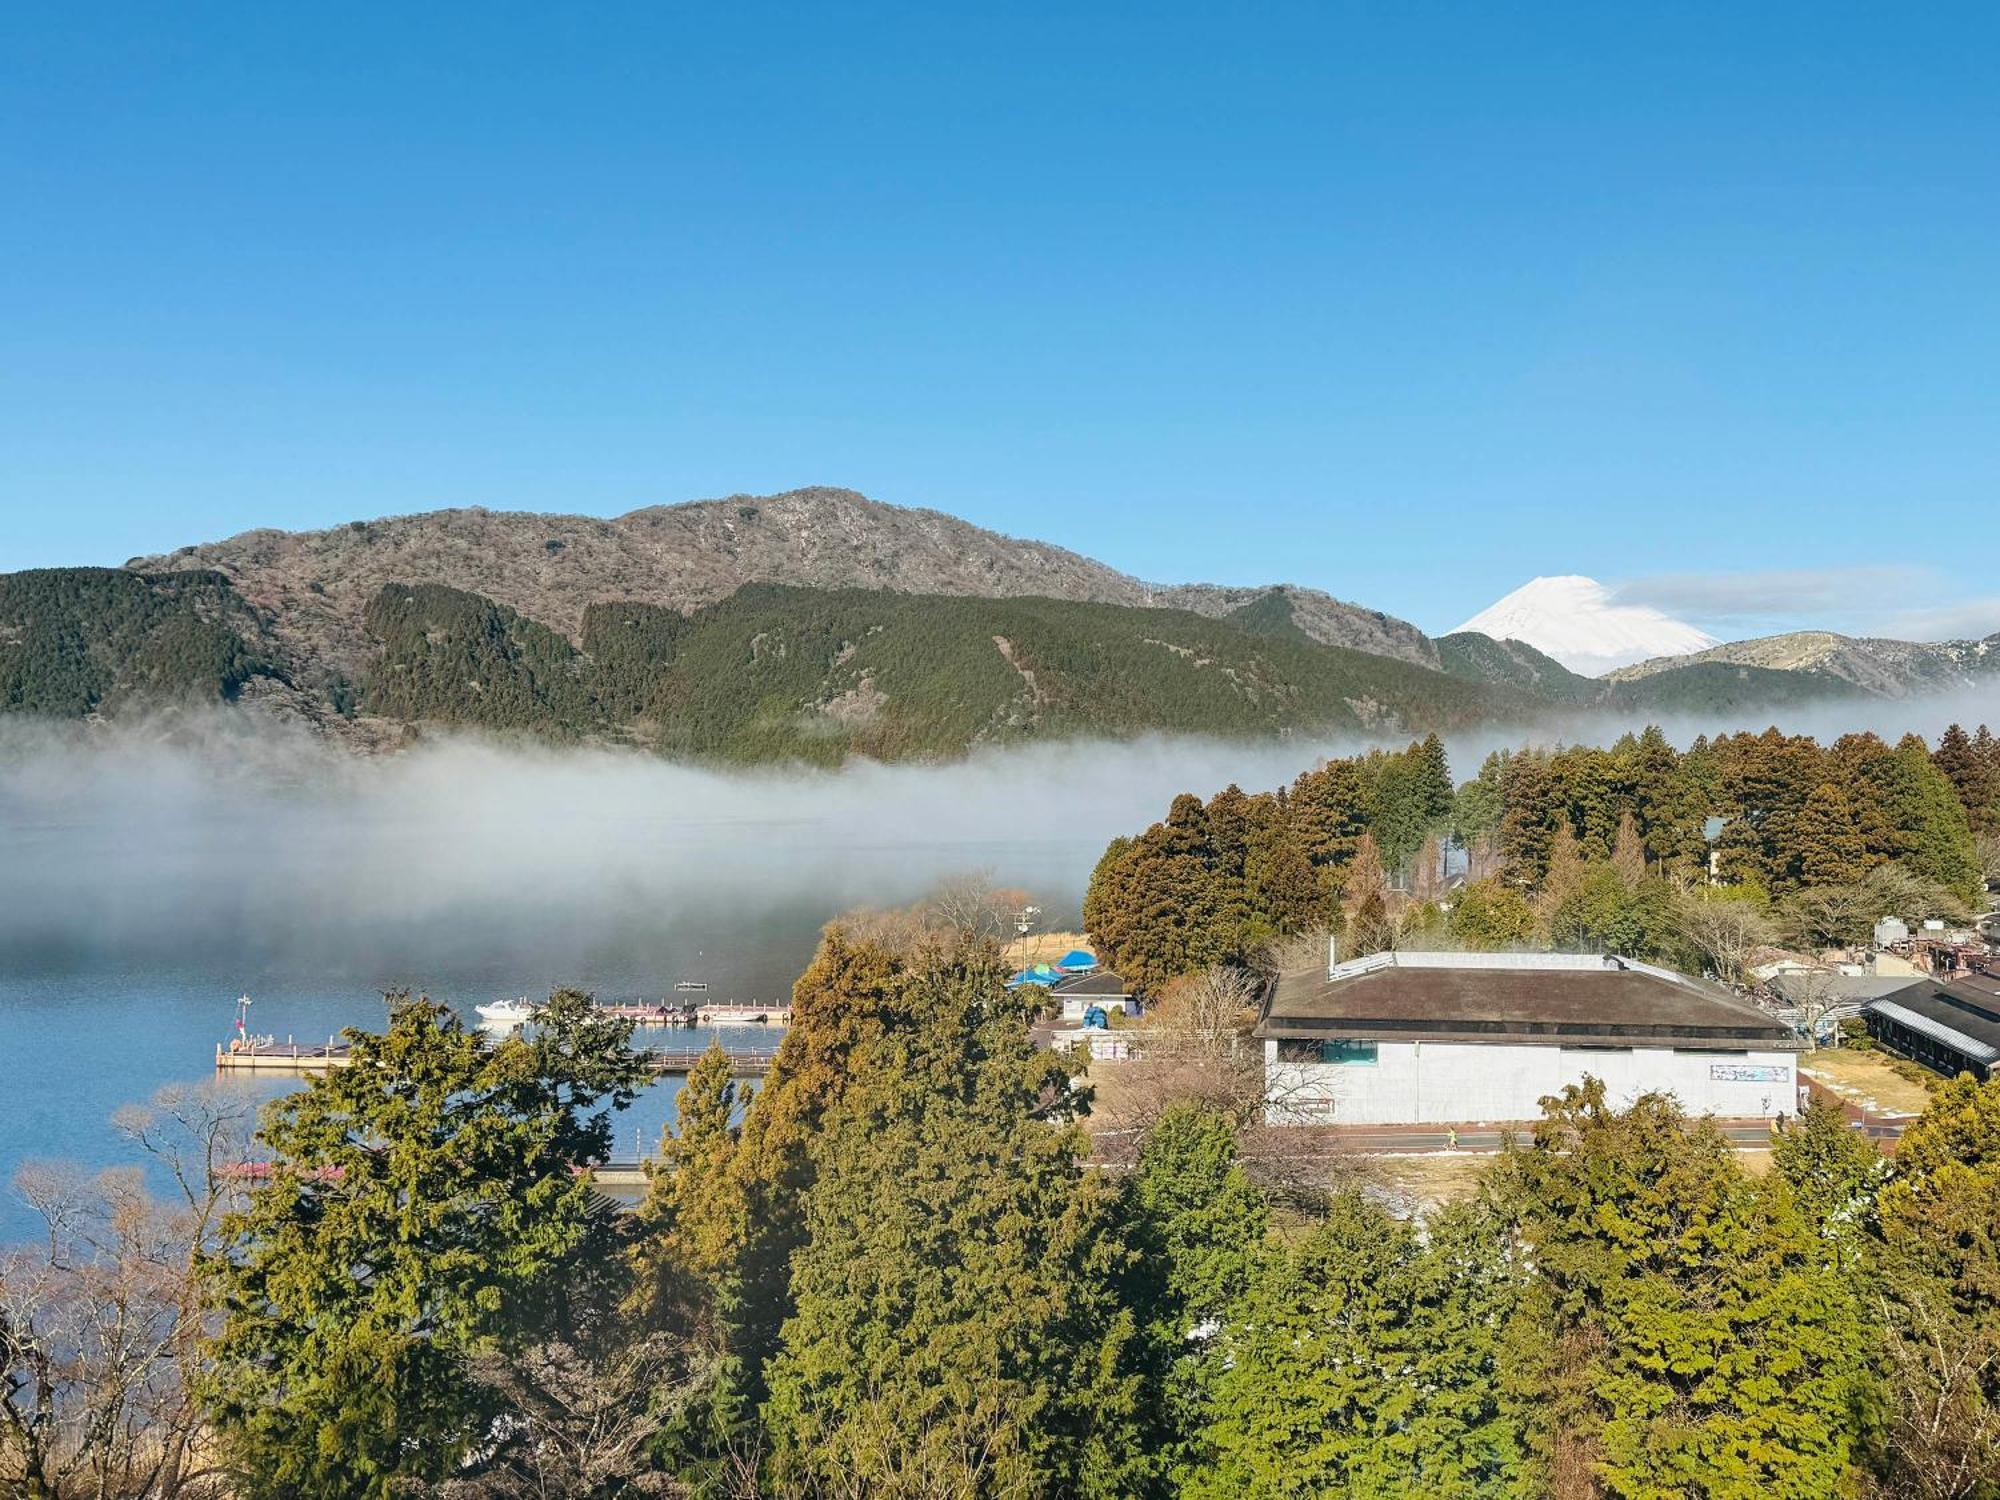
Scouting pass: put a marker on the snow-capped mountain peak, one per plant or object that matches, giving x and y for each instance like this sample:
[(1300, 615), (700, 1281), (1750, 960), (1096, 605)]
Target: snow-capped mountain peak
[(1575, 620)]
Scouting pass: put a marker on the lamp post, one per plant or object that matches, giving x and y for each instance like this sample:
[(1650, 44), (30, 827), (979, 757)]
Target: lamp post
[(1024, 923)]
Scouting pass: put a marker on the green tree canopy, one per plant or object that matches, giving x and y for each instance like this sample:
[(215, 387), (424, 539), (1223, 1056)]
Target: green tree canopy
[(424, 1207)]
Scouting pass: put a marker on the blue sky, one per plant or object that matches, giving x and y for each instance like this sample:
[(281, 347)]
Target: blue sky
[(1409, 302)]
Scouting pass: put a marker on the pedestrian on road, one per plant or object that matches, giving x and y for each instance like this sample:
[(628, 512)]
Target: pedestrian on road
[(1451, 1138)]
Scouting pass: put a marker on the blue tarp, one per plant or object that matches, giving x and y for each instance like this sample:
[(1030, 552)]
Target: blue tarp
[(1037, 974), (1076, 961)]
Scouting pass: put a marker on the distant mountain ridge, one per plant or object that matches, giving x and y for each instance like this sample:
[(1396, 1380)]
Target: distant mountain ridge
[(318, 584), (1883, 668), (812, 625)]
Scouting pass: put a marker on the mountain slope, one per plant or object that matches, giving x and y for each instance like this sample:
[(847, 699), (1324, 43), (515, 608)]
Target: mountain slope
[(1480, 658), (1575, 620), (80, 641), (318, 585), (779, 673), (776, 672), (1885, 668)]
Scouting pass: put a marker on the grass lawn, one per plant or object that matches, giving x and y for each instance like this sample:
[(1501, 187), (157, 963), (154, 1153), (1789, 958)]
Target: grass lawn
[(1873, 1080), (1043, 947)]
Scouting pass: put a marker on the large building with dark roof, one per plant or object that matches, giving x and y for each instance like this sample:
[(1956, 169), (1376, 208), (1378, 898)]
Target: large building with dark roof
[(1412, 1038), (1951, 1025)]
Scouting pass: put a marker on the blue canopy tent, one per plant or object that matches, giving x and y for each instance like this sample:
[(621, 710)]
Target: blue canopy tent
[(1077, 961)]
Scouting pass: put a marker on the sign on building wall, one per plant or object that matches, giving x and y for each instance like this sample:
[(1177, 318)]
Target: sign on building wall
[(1747, 1073)]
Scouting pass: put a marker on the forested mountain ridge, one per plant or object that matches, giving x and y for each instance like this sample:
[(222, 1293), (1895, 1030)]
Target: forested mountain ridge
[(76, 641), (784, 672), (313, 593), (775, 672)]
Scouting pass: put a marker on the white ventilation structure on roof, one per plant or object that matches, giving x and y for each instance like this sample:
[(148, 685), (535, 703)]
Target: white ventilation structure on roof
[(1564, 963)]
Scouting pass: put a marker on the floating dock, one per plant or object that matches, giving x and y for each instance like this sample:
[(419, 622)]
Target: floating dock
[(297, 1057), (281, 1057)]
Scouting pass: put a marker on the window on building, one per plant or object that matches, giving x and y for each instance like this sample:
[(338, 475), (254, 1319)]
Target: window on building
[(1351, 1054), (1354, 1054)]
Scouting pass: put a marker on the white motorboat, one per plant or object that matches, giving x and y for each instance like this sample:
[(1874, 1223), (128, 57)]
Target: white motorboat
[(508, 1012)]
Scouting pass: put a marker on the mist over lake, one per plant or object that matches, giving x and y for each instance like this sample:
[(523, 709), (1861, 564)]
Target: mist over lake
[(150, 875)]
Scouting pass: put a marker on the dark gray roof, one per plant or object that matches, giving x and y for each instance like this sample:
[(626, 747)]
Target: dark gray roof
[(1580, 999), (1968, 1009), (1097, 982), (1840, 988)]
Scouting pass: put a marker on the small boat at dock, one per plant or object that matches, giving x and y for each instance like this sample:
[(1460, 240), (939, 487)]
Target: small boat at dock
[(738, 1014), (508, 1012)]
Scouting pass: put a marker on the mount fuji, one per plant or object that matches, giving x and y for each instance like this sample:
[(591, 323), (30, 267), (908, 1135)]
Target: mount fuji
[(1575, 620)]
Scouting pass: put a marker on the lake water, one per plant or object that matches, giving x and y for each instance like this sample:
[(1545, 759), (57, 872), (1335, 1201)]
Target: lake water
[(77, 1044), (149, 878)]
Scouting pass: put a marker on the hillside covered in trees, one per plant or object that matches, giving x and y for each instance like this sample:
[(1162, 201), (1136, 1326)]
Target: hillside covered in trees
[(1581, 847), (778, 672), (78, 641), (899, 1270)]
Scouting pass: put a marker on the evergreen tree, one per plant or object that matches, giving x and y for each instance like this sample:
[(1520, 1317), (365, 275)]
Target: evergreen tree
[(424, 1207), (1936, 838), (1434, 784), (1309, 1389), (1835, 1173), (1178, 907), (956, 1326), (1974, 774), (1479, 805), (1198, 1229), (1668, 802), (1292, 895), (1457, 1436), (851, 998), (1491, 915), (1363, 1362), (693, 1232), (1328, 816), (1832, 850), (1529, 824), (1763, 781), (1938, 1271), (1682, 1335)]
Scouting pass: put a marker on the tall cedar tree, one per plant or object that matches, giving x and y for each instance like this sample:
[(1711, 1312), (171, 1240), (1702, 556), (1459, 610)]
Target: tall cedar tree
[(1197, 1226), (956, 1327), (692, 1233), (423, 1208), (1835, 1174), (1360, 1362), (1938, 1274), (1970, 764), (1684, 1334), (852, 997)]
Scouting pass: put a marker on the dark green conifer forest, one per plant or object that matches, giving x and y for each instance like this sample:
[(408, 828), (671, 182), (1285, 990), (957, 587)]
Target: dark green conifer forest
[(1579, 848)]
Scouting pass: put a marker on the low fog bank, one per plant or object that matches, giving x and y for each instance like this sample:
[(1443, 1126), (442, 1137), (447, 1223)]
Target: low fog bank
[(227, 841)]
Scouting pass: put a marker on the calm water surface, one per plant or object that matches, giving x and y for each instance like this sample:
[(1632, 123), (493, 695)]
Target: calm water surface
[(77, 1043)]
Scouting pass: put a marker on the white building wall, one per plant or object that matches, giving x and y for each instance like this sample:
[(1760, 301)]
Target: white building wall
[(1464, 1082)]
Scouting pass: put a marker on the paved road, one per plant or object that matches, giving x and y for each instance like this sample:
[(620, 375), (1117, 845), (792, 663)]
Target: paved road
[(1391, 1140)]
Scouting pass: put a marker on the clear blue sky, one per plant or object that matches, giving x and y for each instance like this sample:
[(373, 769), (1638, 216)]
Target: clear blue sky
[(1406, 301)]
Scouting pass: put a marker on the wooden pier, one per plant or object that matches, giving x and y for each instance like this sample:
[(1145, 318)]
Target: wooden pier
[(298, 1057), (281, 1057)]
